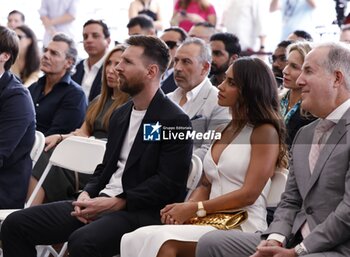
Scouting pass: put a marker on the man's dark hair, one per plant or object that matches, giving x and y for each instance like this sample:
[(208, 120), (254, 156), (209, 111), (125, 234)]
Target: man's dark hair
[(17, 12), (143, 21), (284, 43), (72, 50), (179, 30), (104, 26), (303, 34), (153, 48), (9, 44), (231, 42)]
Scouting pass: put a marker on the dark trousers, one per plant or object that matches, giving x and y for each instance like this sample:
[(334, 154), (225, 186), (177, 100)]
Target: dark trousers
[(52, 223)]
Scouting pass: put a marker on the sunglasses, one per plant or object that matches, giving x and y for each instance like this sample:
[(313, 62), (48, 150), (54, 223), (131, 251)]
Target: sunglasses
[(274, 58), (171, 44), (21, 36)]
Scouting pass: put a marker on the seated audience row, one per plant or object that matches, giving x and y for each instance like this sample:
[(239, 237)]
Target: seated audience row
[(237, 168), (313, 216), (136, 179), (61, 184)]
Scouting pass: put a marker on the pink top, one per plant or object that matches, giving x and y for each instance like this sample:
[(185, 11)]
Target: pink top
[(194, 7)]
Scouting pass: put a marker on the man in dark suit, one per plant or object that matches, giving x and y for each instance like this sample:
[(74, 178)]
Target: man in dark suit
[(136, 178), (88, 72), (173, 37), (312, 218), (17, 129)]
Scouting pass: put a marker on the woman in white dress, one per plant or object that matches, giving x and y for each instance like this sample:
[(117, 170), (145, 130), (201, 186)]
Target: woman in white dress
[(237, 168)]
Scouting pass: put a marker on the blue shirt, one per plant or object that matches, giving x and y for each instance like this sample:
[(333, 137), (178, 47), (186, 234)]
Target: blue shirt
[(62, 110)]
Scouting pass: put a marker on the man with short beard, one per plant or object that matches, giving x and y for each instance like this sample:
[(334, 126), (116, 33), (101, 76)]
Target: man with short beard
[(136, 179), (278, 61), (225, 48)]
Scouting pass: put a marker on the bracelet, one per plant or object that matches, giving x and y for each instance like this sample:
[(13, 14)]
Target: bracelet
[(61, 138)]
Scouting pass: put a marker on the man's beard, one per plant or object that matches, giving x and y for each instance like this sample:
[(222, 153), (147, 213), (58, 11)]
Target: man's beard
[(277, 72), (215, 70), (132, 88)]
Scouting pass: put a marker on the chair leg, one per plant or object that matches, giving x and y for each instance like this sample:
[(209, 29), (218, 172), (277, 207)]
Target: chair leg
[(63, 250)]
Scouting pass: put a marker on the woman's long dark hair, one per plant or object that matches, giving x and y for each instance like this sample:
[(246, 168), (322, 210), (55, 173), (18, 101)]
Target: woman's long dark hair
[(258, 102), (32, 57)]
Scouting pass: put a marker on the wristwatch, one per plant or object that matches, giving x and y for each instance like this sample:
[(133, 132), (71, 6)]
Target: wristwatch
[(300, 250), (201, 212)]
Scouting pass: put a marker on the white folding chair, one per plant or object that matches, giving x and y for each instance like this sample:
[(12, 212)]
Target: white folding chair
[(278, 185), (35, 153), (75, 153), (195, 175), (38, 146)]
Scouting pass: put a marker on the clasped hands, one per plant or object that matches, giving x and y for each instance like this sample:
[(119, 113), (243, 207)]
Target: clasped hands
[(87, 209), (272, 248), (178, 213)]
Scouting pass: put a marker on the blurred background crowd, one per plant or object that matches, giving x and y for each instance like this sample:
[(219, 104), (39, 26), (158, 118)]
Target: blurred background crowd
[(116, 15)]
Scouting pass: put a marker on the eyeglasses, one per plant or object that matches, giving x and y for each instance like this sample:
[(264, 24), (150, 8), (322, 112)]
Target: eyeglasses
[(274, 58), (21, 36), (171, 44)]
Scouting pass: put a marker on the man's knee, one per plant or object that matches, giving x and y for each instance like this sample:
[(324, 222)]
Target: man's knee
[(220, 243), (206, 246), (80, 242), (12, 224)]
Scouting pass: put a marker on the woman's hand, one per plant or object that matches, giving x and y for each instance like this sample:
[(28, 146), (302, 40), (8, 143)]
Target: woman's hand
[(52, 141), (178, 213), (80, 133), (194, 18)]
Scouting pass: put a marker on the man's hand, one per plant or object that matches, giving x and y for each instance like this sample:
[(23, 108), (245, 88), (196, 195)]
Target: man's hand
[(87, 209), (272, 248), (84, 196)]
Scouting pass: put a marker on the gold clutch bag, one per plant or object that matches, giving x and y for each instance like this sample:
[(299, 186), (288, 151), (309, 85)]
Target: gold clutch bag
[(221, 220)]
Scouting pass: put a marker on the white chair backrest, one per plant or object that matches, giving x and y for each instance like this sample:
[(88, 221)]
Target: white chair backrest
[(194, 175), (38, 146), (278, 185), (79, 154), (75, 153)]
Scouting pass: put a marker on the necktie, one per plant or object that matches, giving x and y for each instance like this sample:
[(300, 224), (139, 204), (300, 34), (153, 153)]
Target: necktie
[(183, 99), (318, 141)]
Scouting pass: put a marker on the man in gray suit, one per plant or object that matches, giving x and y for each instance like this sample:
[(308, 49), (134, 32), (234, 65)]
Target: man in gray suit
[(195, 93), (313, 217)]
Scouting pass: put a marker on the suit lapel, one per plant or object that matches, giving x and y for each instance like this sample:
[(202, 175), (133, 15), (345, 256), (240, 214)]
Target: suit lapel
[(79, 73), (301, 149), (4, 80), (139, 145), (200, 99), (338, 132), (121, 128)]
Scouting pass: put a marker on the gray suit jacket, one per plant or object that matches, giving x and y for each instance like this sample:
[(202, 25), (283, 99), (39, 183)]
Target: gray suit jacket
[(323, 198), (205, 115)]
